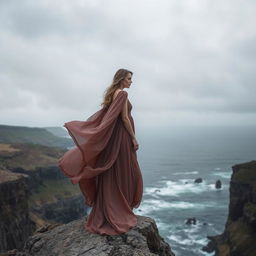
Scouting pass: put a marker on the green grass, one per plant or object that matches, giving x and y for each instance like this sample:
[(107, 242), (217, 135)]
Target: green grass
[(22, 134), (246, 176), (29, 156), (52, 190)]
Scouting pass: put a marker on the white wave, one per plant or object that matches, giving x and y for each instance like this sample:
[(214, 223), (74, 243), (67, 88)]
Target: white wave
[(175, 188), (208, 253), (200, 252), (201, 242), (150, 205), (181, 173), (191, 240), (225, 175), (176, 238)]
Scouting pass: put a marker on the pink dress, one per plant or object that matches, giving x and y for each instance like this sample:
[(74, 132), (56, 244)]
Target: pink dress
[(105, 165)]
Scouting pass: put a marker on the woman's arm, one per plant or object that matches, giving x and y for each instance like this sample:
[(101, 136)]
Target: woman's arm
[(128, 126), (126, 120)]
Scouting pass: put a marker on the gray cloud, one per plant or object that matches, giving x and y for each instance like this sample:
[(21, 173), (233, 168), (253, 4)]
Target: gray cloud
[(190, 58)]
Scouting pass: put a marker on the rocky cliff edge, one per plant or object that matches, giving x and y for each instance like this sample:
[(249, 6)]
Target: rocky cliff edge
[(72, 239)]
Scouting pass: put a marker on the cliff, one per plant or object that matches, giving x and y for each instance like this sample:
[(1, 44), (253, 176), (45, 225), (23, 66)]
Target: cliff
[(239, 236), (33, 192), (15, 225), (72, 239), (43, 136)]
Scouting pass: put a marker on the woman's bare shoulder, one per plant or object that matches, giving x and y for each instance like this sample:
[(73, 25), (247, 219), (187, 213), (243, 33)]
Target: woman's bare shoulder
[(118, 91)]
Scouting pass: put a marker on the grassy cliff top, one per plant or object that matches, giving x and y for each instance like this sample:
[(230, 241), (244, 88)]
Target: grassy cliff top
[(6, 176), (43, 136), (28, 156), (245, 173), (53, 190)]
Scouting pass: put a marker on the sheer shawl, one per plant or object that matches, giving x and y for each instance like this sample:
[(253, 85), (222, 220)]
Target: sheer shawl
[(91, 137)]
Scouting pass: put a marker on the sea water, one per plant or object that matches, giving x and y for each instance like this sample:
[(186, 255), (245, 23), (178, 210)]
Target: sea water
[(170, 161)]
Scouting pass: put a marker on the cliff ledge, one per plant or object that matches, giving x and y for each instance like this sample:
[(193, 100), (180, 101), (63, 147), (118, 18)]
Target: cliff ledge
[(72, 239)]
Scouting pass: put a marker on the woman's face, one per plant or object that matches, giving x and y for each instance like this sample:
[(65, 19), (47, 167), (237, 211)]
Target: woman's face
[(126, 83)]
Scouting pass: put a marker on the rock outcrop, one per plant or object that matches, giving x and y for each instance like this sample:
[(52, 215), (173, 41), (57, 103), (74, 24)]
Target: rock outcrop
[(239, 236), (72, 239)]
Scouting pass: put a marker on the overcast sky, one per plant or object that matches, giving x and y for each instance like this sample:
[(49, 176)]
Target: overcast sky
[(194, 61)]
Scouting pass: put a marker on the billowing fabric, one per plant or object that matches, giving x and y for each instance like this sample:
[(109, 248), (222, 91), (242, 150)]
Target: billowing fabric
[(104, 163)]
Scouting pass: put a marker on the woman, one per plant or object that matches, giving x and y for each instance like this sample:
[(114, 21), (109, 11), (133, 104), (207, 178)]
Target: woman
[(104, 161)]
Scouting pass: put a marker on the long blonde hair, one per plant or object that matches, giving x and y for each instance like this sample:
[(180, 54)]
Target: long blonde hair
[(108, 94)]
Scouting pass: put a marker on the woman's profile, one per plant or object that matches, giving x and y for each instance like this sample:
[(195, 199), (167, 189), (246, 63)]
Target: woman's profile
[(104, 161)]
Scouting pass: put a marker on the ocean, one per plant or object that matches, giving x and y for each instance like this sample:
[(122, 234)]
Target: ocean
[(170, 161)]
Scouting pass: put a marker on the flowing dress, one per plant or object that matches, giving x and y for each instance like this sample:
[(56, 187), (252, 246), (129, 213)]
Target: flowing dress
[(104, 164)]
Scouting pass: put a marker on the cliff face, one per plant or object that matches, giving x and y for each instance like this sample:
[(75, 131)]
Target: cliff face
[(63, 210), (72, 239), (15, 225), (33, 192), (239, 236), (36, 195)]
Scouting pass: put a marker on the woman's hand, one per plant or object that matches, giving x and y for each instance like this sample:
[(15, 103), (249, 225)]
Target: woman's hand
[(135, 144)]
